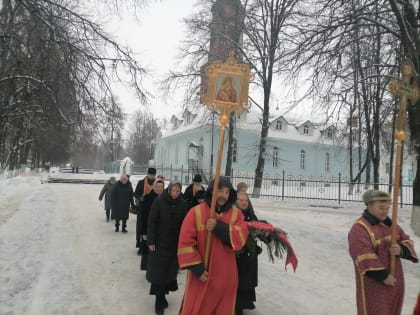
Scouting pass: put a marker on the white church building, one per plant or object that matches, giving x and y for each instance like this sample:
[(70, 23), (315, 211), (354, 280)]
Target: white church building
[(306, 149)]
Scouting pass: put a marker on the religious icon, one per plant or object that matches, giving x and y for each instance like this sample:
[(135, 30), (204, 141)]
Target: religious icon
[(227, 88)]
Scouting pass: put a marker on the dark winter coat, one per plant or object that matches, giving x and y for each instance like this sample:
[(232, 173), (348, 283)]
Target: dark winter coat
[(121, 200), (188, 196), (138, 194), (247, 260), (143, 217), (165, 219), (106, 191)]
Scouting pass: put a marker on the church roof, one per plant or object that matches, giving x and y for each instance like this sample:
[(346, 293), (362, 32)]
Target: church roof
[(200, 115)]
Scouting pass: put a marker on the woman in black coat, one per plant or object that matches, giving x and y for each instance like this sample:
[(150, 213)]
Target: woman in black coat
[(247, 262), (143, 217), (121, 200), (106, 191), (164, 223)]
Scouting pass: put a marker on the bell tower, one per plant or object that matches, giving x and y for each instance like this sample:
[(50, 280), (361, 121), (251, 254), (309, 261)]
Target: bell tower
[(225, 34)]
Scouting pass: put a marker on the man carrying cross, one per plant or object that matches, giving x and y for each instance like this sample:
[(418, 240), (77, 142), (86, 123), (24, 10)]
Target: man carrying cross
[(377, 290), (212, 291)]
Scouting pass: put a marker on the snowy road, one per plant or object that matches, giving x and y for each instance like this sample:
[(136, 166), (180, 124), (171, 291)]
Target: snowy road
[(59, 256)]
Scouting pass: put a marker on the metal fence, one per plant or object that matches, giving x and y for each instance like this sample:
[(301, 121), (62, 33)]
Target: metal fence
[(332, 189), (286, 187)]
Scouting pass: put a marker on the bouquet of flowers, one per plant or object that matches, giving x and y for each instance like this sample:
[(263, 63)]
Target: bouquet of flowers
[(275, 239)]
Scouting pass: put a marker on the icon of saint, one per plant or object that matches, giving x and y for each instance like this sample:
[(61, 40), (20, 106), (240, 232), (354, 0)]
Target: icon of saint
[(227, 92)]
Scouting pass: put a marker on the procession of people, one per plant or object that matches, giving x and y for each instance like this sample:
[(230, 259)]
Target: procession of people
[(175, 231)]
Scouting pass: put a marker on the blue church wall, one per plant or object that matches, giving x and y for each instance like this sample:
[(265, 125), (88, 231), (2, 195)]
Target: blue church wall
[(174, 150)]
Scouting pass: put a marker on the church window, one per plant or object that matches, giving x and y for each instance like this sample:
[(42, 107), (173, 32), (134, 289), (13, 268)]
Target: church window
[(302, 159), (305, 129), (234, 150), (329, 133), (276, 157), (327, 162), (278, 125)]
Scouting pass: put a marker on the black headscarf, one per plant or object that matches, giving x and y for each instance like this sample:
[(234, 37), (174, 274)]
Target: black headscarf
[(223, 182)]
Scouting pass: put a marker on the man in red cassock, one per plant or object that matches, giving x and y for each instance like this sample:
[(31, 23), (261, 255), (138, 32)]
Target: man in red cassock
[(212, 291), (378, 292)]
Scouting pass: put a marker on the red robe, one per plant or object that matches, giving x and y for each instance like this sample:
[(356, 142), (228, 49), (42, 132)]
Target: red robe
[(369, 248), (217, 295)]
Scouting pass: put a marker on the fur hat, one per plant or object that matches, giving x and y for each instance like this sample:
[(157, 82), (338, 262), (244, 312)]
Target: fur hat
[(197, 178), (375, 195), (151, 171)]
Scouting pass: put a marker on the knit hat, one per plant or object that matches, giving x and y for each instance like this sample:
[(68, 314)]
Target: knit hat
[(197, 178), (375, 195), (151, 171)]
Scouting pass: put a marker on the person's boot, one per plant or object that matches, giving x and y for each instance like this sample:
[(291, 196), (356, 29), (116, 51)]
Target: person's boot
[(117, 227), (165, 302), (107, 215), (159, 304), (124, 229)]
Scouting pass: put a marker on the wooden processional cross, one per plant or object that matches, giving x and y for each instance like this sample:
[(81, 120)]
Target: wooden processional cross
[(406, 91), (226, 92)]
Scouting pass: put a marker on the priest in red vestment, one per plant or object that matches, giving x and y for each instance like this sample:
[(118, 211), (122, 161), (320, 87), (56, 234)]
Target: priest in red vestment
[(377, 291), (212, 291)]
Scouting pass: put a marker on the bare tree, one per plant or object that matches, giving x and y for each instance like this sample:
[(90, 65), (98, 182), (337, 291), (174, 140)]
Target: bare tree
[(350, 49), (56, 65), (261, 46), (144, 128), (407, 18)]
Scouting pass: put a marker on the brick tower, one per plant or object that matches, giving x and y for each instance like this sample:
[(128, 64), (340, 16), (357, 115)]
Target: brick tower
[(226, 34)]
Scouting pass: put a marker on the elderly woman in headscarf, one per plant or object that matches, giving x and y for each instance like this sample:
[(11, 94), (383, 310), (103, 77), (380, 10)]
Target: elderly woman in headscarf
[(164, 223), (146, 204), (121, 201), (106, 192)]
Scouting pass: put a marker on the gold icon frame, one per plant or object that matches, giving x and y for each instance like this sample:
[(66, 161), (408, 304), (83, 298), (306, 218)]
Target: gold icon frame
[(239, 75)]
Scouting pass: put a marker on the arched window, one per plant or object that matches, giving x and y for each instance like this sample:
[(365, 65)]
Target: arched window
[(278, 125), (327, 162), (234, 150), (305, 129), (302, 159), (276, 157)]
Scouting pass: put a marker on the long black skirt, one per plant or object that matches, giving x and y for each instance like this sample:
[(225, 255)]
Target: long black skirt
[(157, 289)]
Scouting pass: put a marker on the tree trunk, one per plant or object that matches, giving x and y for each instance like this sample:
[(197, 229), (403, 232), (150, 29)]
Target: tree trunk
[(259, 171)]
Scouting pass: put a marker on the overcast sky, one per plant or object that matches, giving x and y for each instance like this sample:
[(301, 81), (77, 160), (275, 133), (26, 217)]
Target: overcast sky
[(155, 37)]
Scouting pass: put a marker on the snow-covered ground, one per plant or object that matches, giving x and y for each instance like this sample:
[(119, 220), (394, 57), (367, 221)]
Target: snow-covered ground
[(58, 255)]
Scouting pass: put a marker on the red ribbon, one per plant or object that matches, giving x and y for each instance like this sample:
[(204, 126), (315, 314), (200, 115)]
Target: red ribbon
[(291, 256)]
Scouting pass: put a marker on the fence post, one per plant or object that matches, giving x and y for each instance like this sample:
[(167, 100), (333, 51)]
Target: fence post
[(170, 173), (339, 188), (282, 186), (182, 173)]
